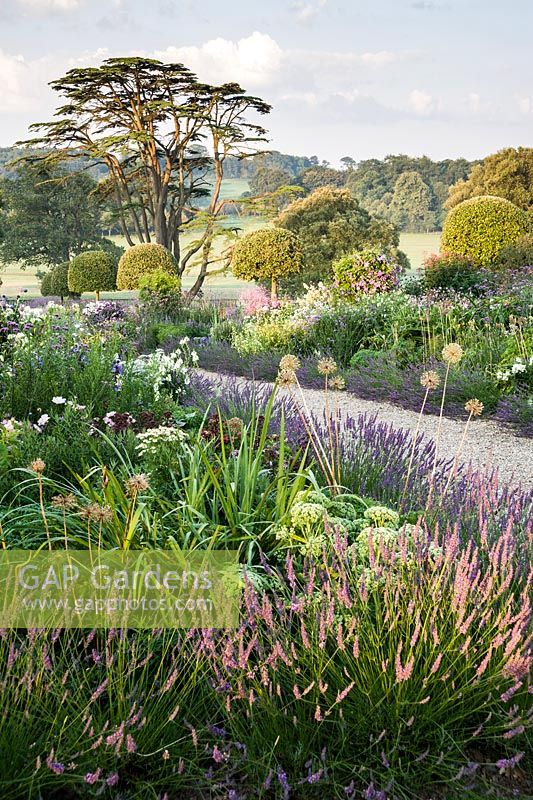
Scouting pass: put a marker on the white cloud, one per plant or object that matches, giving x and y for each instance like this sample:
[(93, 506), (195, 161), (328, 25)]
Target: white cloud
[(24, 88), (12, 69), (51, 5), (421, 102), (305, 12), (253, 61), (524, 104)]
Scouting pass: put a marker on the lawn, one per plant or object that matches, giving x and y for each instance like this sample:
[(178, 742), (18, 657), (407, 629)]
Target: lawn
[(417, 245)]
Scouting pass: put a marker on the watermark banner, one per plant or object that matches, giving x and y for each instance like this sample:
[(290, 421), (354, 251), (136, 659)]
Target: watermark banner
[(119, 589)]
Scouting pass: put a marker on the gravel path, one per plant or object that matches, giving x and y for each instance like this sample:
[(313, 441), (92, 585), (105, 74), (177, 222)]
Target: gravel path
[(487, 444)]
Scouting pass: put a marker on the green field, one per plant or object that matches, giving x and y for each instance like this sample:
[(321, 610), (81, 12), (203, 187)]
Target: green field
[(418, 245), (415, 245)]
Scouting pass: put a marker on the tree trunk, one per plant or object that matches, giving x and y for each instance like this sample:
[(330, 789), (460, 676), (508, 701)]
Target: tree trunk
[(274, 290)]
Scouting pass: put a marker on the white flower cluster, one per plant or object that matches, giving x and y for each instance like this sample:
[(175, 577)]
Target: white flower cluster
[(520, 365), (151, 440), (168, 371)]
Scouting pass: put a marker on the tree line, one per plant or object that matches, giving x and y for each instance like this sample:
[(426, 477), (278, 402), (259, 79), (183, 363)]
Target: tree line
[(141, 147)]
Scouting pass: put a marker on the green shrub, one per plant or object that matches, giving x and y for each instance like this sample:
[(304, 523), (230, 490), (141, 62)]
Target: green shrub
[(481, 227), (451, 271), (269, 253), (159, 281), (59, 281), (366, 272), (141, 260), (94, 271), (519, 254), (46, 284)]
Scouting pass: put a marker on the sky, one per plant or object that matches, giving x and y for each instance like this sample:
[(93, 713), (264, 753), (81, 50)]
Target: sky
[(359, 78)]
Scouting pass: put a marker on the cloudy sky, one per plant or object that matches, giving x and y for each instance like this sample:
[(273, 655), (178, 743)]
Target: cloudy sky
[(362, 78)]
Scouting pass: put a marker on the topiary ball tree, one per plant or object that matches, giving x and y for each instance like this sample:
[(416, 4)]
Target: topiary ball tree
[(141, 260), (59, 281), (46, 284), (479, 228), (269, 253), (94, 271)]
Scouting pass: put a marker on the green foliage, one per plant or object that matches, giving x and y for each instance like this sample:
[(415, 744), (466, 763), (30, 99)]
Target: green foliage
[(59, 281), (316, 177), (160, 281), (46, 284), (481, 227), (330, 223), (141, 260), (507, 173), (49, 215), (365, 272), (269, 179), (268, 253), (411, 204), (450, 271), (519, 254), (373, 183), (94, 271)]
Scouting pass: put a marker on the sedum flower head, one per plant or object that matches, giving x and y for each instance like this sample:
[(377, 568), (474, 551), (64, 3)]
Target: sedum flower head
[(430, 380), (474, 407), (452, 353), (326, 366), (290, 362), (306, 514), (381, 515)]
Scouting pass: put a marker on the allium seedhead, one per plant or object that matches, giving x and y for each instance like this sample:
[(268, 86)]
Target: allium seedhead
[(234, 426), (290, 362), (38, 466), (286, 378), (474, 407), (65, 501), (337, 383), (326, 366), (430, 380), (96, 513), (452, 353), (137, 484)]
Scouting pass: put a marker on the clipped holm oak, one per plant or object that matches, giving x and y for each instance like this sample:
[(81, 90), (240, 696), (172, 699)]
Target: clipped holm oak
[(269, 253), (479, 228), (94, 271), (141, 260)]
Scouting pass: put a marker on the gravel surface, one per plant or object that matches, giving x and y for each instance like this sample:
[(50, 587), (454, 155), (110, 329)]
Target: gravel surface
[(487, 444)]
